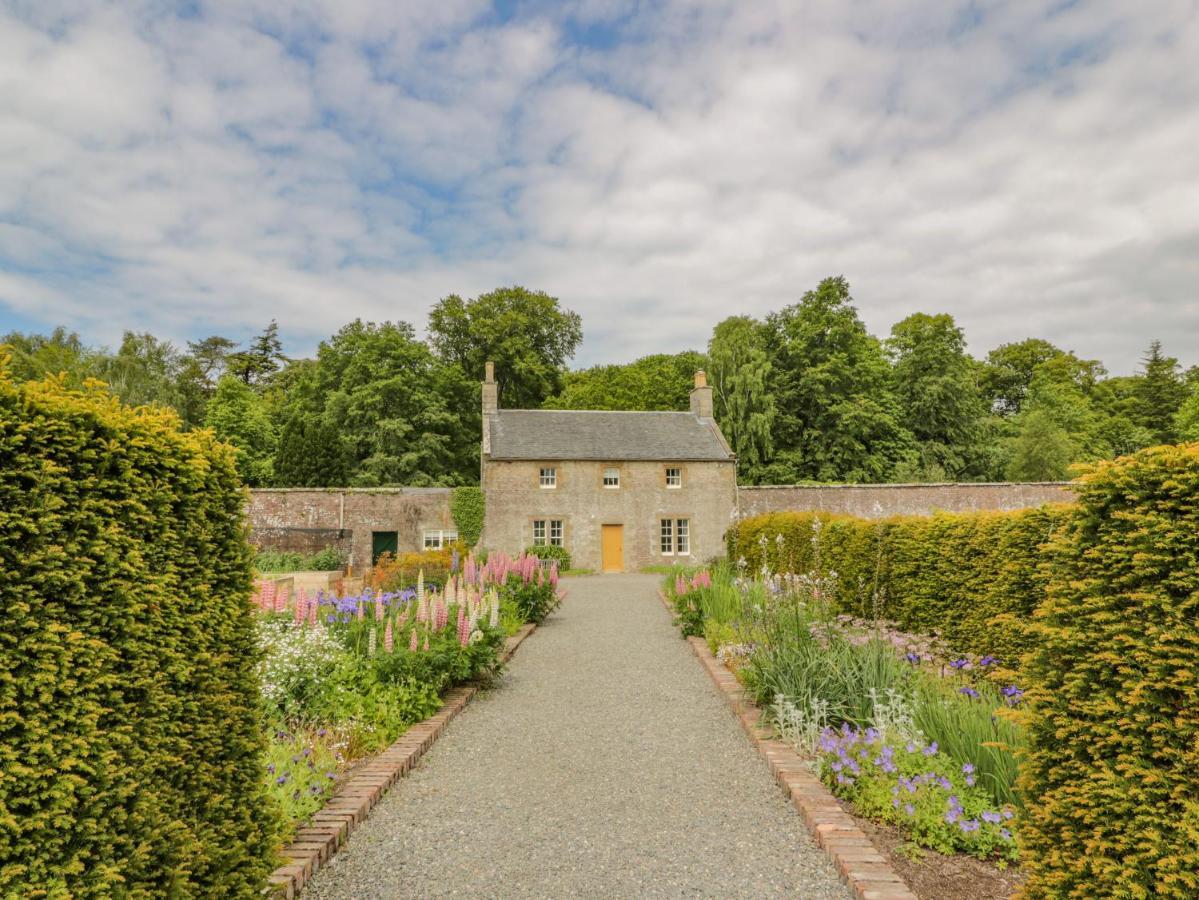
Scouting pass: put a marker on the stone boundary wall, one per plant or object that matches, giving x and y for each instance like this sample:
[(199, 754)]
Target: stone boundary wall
[(878, 501), (308, 519)]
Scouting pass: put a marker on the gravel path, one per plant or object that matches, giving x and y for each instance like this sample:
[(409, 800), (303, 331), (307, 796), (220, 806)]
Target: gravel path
[(604, 764)]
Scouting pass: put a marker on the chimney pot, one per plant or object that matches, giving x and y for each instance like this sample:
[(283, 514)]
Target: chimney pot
[(701, 378), (489, 369)]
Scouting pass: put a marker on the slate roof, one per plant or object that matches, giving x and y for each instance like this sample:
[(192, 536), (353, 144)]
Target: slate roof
[(551, 434)]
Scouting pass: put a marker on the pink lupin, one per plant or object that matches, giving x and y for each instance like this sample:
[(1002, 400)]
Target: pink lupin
[(301, 608), (554, 573), (379, 608), (426, 643), (388, 638), (412, 645), (312, 609)]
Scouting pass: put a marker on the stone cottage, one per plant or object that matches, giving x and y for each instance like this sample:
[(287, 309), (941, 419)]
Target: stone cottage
[(618, 490)]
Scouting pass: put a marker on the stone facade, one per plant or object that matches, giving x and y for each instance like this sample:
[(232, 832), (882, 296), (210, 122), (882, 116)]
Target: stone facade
[(706, 500), (307, 519), (878, 501)]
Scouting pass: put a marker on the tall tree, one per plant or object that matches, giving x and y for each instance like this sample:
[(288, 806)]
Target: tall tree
[(938, 393), (662, 381), (1009, 372), (1186, 422), (525, 333), (405, 417), (744, 407), (1160, 393), (34, 356), (310, 454), (240, 416), (260, 360), (144, 370), (202, 368), (837, 417)]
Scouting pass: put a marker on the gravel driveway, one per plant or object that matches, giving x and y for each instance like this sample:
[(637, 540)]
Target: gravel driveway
[(604, 764)]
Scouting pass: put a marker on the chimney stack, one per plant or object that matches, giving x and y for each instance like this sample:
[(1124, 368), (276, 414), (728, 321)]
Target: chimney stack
[(701, 396), (491, 391)]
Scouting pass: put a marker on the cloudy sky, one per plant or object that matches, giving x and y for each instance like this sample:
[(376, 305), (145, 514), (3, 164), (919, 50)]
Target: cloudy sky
[(192, 168)]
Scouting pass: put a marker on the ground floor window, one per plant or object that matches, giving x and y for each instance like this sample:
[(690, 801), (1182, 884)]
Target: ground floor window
[(675, 536), (547, 531), (435, 539)]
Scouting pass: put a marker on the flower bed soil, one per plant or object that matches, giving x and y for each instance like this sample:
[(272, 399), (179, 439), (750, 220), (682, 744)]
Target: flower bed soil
[(933, 875)]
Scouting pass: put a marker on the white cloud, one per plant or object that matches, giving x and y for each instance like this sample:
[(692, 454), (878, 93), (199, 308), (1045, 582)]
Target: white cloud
[(1027, 170)]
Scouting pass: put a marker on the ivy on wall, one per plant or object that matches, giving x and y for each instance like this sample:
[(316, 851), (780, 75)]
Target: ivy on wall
[(467, 507)]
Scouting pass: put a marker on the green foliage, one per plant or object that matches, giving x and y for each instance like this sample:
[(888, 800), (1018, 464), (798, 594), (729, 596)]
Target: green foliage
[(1114, 725), (936, 386), (926, 794), (971, 577), (837, 415), (1161, 391), (744, 406), (525, 333), (311, 453), (301, 765), (325, 560), (241, 417), (404, 417), (534, 601), (1186, 422), (1009, 370), (468, 506), (125, 575), (659, 382), (257, 363), (551, 551)]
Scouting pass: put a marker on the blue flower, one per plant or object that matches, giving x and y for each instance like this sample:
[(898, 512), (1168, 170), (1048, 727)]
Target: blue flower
[(930, 749), (959, 663), (967, 768), (988, 660), (1005, 834), (969, 692), (969, 825), (913, 658), (909, 809), (990, 817)]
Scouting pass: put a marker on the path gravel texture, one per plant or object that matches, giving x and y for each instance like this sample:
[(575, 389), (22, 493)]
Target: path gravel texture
[(603, 764)]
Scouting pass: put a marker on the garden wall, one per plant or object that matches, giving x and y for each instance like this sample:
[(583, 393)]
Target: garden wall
[(306, 519), (881, 501)]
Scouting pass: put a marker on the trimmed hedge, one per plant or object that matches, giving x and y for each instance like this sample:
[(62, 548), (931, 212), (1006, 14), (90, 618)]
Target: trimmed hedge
[(130, 735), (974, 578), (1114, 689)]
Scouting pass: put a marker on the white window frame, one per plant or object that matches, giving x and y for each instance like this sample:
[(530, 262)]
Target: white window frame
[(612, 472), (547, 477), (666, 536), (556, 533), (441, 538), (682, 537), (675, 481), (539, 526)]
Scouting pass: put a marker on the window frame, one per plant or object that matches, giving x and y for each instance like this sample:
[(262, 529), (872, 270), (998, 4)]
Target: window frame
[(682, 536), (539, 542), (559, 539), (678, 470), (604, 472), (666, 536), (547, 482), (445, 537)]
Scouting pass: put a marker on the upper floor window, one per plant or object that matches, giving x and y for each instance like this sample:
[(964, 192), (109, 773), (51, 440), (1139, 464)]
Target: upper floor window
[(611, 477), (674, 477), (436, 539), (548, 477)]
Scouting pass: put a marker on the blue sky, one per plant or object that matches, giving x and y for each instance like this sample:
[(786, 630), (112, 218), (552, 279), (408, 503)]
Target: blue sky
[(204, 167)]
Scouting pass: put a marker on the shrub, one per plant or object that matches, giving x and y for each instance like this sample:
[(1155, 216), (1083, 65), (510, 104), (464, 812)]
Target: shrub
[(467, 507), (324, 560), (534, 600), (397, 573), (973, 577), (1113, 770), (131, 740), (550, 551)]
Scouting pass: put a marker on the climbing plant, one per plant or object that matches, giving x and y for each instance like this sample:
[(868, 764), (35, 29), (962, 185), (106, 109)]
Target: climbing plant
[(467, 507)]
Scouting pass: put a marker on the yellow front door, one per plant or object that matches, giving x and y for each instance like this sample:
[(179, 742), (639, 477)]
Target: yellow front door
[(612, 545)]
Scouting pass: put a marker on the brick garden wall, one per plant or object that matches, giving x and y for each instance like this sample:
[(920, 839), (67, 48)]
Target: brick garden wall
[(310, 518), (878, 501)]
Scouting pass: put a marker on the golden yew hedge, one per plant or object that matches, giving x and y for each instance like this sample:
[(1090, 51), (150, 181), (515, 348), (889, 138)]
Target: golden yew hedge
[(972, 577), (1113, 770), (1101, 598), (130, 741)]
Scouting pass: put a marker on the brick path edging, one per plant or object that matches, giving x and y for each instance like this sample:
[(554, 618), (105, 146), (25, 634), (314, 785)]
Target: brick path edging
[(328, 830), (861, 865)]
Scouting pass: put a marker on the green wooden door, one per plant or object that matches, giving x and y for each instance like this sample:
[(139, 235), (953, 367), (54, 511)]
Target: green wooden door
[(383, 542)]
